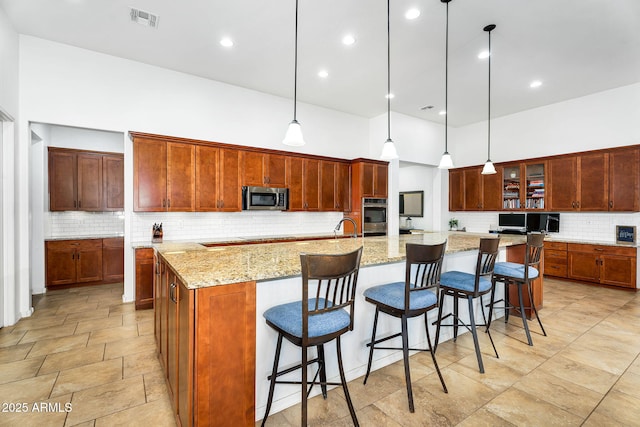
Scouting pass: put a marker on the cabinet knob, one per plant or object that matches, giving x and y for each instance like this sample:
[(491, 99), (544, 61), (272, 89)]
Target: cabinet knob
[(610, 203), (168, 203), (163, 203), (79, 204), (74, 204)]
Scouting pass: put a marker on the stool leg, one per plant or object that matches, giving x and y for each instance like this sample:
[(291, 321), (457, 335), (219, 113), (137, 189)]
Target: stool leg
[(456, 303), (440, 304), (272, 384), (433, 356), (352, 411), (507, 301), (476, 344), (493, 296), (522, 313), (373, 339), (303, 421), (535, 310), (405, 354), (323, 371)]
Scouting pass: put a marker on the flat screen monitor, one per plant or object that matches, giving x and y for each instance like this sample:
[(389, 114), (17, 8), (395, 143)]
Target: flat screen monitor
[(512, 220), (411, 203), (543, 222)]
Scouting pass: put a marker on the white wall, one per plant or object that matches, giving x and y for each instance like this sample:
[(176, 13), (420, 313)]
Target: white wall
[(414, 177)]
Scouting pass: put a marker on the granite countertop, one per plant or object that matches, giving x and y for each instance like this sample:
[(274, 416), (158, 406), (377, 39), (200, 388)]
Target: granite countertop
[(199, 266), (86, 237)]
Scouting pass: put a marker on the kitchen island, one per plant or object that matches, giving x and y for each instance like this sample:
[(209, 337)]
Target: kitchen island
[(213, 343)]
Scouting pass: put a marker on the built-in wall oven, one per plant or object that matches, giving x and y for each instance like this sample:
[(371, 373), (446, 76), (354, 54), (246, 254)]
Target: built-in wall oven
[(374, 216)]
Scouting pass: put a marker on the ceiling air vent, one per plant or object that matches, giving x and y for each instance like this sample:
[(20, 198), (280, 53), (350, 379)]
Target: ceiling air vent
[(144, 18)]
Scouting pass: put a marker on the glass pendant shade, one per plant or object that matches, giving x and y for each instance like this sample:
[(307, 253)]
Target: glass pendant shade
[(446, 162), (293, 137), (389, 150), (488, 168)]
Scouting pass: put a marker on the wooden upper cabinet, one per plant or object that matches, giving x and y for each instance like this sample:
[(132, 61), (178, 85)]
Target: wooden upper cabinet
[(206, 178), (113, 182), (85, 180), (295, 184), (624, 180), (62, 181), (229, 179), (311, 184), (343, 187), (472, 189), (328, 186), (181, 186), (380, 186), (264, 170), (492, 191), (563, 183), (456, 190), (369, 179), (149, 175), (593, 182)]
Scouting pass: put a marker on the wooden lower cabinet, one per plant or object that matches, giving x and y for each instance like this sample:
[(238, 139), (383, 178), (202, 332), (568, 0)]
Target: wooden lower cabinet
[(209, 361), (144, 278), (70, 262), (606, 265), (555, 259), (113, 259)]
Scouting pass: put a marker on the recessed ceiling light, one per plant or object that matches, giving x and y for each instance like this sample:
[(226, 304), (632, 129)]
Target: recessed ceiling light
[(349, 39), (484, 54), (226, 42), (323, 74), (412, 13), (535, 83), (390, 96), (442, 112)]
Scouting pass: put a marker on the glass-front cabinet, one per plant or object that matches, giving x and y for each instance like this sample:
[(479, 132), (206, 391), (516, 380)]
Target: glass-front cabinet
[(535, 185), (511, 194)]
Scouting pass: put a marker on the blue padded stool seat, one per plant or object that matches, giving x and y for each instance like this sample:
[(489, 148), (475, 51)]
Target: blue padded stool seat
[(515, 270), (288, 317), (392, 295), (464, 281)]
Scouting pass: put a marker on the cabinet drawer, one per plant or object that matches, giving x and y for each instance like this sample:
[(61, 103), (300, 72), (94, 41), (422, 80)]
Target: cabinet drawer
[(560, 246), (114, 242), (89, 244), (602, 249), (554, 256), (144, 254), (557, 270)]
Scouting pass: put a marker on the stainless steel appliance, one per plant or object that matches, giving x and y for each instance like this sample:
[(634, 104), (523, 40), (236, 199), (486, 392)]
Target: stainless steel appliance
[(374, 216), (265, 198)]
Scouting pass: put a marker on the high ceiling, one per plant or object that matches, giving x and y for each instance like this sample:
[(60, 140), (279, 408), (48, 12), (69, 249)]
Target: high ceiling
[(574, 47)]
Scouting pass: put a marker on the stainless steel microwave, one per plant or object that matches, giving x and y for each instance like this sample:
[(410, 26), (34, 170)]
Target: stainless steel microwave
[(265, 198)]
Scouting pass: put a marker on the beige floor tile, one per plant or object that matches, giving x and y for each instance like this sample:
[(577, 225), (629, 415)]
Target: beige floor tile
[(57, 345), (48, 333), (76, 307), (615, 362), (564, 394), (45, 413), (368, 416), (138, 316), (20, 370), (498, 374), (87, 315), (123, 308), (7, 340), (39, 323), (145, 328), (141, 363), (73, 380), (484, 418), (130, 346), (321, 411), (578, 373), (157, 413), (72, 359), (379, 384), (105, 399), (277, 420), (616, 409), (28, 390), (113, 334), (629, 383), (522, 408), (97, 324), (155, 386), (14, 352)]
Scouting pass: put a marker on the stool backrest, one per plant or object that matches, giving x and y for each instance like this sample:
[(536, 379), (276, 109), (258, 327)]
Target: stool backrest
[(533, 254), (332, 278), (487, 254), (424, 264)]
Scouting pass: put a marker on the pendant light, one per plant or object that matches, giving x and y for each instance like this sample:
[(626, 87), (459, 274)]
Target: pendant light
[(488, 168), (388, 149), (293, 137), (446, 162)]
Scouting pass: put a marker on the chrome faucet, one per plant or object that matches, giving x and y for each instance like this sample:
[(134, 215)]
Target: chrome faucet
[(355, 227)]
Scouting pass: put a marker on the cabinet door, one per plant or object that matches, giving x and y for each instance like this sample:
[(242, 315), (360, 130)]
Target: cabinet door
[(328, 200), (186, 330), (276, 170), (380, 181), (172, 339), (511, 187), (144, 278), (149, 175), (593, 185), (583, 266), (367, 179), (181, 187), (555, 262), (229, 179), (206, 178), (113, 259), (456, 190), (90, 189), (254, 169), (311, 184), (163, 276), (343, 187), (158, 308), (89, 261), (624, 181), (563, 181), (60, 262), (113, 183), (294, 183), (618, 270), (62, 181), (472, 189), (492, 191)]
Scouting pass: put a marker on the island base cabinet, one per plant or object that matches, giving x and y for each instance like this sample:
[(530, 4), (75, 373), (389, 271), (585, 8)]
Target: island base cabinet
[(209, 361)]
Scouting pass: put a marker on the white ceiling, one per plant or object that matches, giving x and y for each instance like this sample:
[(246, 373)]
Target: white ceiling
[(575, 47)]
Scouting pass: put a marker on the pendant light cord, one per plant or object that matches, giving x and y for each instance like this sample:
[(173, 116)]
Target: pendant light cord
[(446, 83), (388, 72), (295, 67), (489, 106)]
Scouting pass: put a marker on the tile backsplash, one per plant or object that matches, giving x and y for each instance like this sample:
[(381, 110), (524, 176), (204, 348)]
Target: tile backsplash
[(582, 226), (78, 224)]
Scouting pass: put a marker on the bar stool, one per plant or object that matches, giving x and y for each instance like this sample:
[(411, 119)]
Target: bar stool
[(325, 312), (408, 299), (468, 286), (511, 273)]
